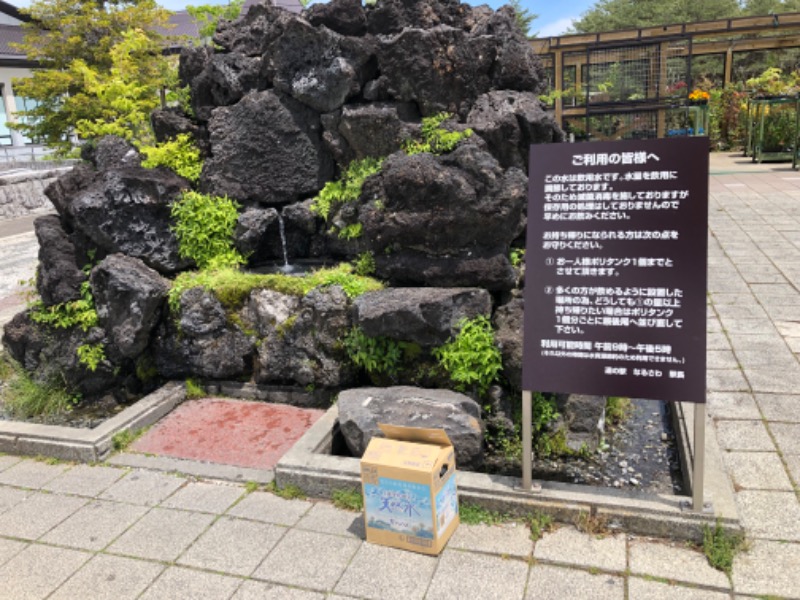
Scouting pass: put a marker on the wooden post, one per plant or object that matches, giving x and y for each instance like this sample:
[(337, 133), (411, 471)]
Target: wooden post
[(728, 66), (558, 71)]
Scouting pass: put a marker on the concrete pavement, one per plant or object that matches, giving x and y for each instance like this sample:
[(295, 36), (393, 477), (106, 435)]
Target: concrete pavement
[(102, 531)]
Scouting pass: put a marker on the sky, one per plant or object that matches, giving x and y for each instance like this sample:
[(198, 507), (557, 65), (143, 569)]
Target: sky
[(554, 18)]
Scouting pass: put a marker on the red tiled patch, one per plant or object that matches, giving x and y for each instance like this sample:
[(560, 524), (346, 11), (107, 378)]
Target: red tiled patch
[(230, 432)]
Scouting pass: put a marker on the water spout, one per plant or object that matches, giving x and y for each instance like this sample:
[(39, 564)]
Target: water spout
[(286, 268)]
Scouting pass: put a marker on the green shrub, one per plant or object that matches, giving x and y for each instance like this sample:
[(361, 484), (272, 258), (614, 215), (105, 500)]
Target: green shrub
[(91, 355), (347, 188), (231, 286), (435, 138), (364, 264), (181, 155), (471, 359), (376, 355), (351, 232), (472, 514), (617, 409), (204, 226), (80, 312), (194, 389)]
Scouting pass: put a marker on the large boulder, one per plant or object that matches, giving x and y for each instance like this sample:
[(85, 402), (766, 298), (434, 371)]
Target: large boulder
[(582, 419), (128, 211), (319, 67), (265, 311), (426, 316), (377, 129), (203, 343), (225, 79), (50, 355), (306, 349), (253, 33), (346, 17), (111, 152), (444, 221), (266, 148), (128, 296), (58, 278), (169, 123), (392, 16), (508, 321), (63, 189), (360, 411), (250, 235), (510, 122)]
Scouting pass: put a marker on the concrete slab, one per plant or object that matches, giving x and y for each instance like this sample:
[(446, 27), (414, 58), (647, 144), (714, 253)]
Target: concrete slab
[(38, 570), (177, 582), (231, 432), (721, 359), (787, 437), (512, 539), (768, 568), (675, 563), (381, 573), (568, 546), (143, 487), (547, 581), (726, 380), (773, 515), (308, 559), (732, 405), (743, 435), (84, 480), (780, 407), (263, 506), (466, 575), (194, 468), (37, 515), (325, 518), (793, 464), (258, 590), (757, 471), (9, 549), (11, 497), (95, 525), (162, 534), (7, 461), (780, 381), (648, 589), (203, 496), (32, 474), (109, 578), (233, 546)]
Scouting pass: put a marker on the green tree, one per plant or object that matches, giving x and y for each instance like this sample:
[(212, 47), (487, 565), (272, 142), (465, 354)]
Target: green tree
[(769, 7), (523, 16), (99, 62), (208, 16), (612, 15)]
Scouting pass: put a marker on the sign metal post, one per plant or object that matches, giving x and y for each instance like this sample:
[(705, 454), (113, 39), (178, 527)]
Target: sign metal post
[(699, 457)]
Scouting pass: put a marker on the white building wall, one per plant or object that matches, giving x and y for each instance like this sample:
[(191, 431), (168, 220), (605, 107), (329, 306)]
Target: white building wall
[(7, 75)]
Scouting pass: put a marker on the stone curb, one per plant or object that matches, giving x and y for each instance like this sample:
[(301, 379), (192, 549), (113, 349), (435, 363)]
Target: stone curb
[(310, 466), (83, 444)]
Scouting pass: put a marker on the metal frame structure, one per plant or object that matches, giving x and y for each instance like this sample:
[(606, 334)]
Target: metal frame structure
[(725, 37)]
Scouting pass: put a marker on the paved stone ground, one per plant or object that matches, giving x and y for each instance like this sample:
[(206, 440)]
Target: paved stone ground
[(81, 531)]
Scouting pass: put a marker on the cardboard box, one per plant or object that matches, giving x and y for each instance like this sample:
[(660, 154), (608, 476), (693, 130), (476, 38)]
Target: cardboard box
[(409, 486)]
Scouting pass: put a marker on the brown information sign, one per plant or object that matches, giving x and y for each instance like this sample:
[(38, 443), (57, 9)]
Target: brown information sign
[(615, 293)]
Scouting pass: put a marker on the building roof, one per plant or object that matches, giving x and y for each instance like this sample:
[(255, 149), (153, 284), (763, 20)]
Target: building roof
[(10, 34)]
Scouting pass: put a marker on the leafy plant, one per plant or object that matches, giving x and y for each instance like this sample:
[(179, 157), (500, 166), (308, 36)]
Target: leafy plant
[(345, 189), (472, 514), (517, 257), (121, 440), (23, 397), (617, 409), (471, 358), (181, 155), (207, 16), (351, 232), (91, 355), (204, 226), (194, 389), (435, 138), (721, 546), (348, 499), (540, 523), (231, 286), (76, 313), (364, 264), (375, 355), (251, 486), (289, 492), (591, 523)]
